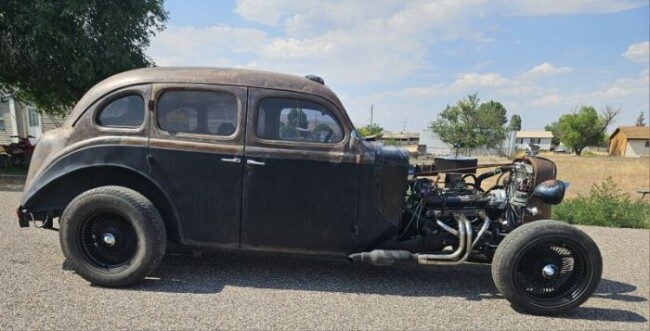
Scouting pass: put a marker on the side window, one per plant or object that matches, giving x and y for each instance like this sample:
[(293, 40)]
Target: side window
[(297, 120), (199, 112), (124, 112)]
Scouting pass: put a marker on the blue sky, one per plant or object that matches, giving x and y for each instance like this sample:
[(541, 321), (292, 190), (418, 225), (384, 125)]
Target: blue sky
[(410, 59)]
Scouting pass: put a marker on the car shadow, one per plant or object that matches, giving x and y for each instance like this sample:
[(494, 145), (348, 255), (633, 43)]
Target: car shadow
[(210, 272)]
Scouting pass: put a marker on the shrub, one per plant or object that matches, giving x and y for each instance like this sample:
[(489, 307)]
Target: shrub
[(605, 206)]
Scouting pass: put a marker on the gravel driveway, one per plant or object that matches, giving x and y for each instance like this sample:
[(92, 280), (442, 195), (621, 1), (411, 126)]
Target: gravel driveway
[(234, 291)]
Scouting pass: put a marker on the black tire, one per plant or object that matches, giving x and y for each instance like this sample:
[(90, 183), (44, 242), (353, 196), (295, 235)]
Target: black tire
[(112, 236), (547, 267)]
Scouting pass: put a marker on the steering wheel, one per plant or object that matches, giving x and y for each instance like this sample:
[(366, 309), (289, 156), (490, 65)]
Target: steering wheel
[(329, 136)]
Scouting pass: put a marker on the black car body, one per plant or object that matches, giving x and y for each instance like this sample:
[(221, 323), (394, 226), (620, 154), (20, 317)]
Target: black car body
[(260, 161), (209, 186)]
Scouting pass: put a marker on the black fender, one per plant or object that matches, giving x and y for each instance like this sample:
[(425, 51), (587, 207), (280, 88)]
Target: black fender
[(54, 188)]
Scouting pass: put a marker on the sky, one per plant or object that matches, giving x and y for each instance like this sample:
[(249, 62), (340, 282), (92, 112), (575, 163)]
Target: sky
[(410, 59)]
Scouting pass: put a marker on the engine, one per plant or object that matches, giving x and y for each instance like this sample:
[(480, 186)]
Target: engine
[(453, 196)]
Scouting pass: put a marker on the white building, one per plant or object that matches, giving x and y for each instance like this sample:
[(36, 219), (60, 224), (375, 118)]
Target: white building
[(435, 146), (23, 120), (539, 138)]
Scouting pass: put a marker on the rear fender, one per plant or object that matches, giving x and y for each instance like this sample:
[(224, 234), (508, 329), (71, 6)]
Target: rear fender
[(53, 190)]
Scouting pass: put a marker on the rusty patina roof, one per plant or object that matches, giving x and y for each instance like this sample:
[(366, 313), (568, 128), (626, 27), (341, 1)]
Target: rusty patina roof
[(223, 76)]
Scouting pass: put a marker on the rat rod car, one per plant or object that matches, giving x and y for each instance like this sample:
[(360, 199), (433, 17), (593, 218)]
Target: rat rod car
[(259, 161)]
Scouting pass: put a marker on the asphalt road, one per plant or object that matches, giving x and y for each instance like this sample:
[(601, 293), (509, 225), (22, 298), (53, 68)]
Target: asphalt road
[(233, 291)]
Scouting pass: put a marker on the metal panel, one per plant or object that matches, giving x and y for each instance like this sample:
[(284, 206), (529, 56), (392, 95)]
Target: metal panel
[(299, 196)]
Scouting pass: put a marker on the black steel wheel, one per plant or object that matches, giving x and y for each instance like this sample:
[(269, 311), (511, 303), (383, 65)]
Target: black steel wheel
[(112, 236), (108, 240), (547, 267)]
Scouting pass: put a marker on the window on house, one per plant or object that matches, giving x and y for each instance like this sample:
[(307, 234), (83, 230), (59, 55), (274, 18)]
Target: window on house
[(647, 143), (33, 116), (2, 123)]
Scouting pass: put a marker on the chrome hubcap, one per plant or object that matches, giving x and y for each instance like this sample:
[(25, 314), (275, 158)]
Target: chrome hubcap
[(109, 239), (549, 271)]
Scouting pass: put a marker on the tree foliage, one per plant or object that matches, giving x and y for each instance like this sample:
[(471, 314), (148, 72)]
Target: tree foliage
[(555, 129), (585, 127), (296, 120), (51, 52), (640, 121), (471, 124), (515, 123), (370, 130)]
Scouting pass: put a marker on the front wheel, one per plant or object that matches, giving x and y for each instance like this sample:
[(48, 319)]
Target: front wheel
[(112, 236), (547, 267)]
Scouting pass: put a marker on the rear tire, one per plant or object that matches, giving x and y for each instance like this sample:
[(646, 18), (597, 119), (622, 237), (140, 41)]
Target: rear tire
[(112, 236), (546, 267)]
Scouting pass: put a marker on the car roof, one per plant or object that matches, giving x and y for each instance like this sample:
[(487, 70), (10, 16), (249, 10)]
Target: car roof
[(193, 75)]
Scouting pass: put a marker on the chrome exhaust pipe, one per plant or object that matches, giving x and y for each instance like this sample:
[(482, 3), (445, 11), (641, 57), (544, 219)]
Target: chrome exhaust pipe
[(461, 253), (486, 225), (383, 257)]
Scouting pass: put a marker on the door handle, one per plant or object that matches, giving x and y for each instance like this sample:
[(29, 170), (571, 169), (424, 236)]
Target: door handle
[(253, 162), (232, 160)]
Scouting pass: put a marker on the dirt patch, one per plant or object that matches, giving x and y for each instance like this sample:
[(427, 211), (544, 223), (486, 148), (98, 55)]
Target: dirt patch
[(630, 174)]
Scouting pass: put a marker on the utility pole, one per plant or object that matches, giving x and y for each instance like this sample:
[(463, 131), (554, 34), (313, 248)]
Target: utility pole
[(371, 113)]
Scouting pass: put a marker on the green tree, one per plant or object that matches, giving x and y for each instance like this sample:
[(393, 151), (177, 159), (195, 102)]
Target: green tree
[(296, 119), (370, 130), (640, 121), (491, 120), (515, 123), (585, 127), (52, 52), (555, 129), (471, 124)]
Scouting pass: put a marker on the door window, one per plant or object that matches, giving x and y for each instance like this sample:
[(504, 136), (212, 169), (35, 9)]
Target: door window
[(297, 120), (198, 112)]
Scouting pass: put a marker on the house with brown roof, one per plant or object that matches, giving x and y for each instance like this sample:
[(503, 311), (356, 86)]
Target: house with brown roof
[(630, 141)]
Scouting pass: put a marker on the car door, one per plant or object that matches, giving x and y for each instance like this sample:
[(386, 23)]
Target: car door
[(301, 177), (195, 153)]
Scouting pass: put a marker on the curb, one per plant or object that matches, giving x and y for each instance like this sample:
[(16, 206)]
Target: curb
[(12, 182)]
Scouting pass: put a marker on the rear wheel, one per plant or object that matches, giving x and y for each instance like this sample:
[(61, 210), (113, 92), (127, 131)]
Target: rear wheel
[(547, 267), (112, 236)]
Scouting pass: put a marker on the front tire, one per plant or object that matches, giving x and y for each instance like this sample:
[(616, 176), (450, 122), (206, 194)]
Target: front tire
[(546, 267), (112, 236)]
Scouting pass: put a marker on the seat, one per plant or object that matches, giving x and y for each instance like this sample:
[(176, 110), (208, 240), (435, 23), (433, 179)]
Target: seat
[(226, 129)]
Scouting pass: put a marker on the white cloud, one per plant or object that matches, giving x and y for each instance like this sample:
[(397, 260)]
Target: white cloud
[(467, 80), (211, 46), (546, 69), (550, 7), (271, 12), (639, 52), (547, 100)]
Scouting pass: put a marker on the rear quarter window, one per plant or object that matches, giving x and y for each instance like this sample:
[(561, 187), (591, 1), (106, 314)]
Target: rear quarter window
[(124, 112)]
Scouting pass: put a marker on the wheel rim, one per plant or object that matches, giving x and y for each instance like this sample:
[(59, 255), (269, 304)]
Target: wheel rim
[(552, 272), (108, 240)]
